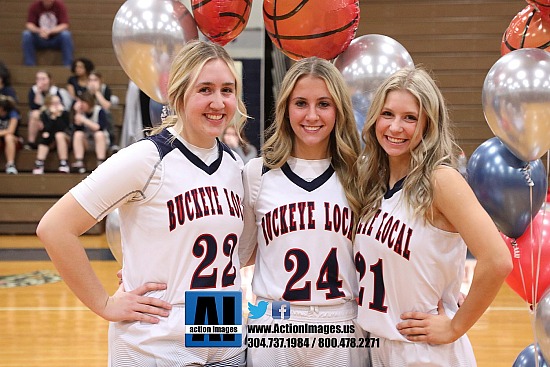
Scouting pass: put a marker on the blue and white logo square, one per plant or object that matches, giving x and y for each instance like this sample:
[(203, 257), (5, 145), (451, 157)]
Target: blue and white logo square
[(280, 310), (213, 319)]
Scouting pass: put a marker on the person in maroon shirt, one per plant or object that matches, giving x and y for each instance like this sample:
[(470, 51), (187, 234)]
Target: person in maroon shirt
[(47, 27)]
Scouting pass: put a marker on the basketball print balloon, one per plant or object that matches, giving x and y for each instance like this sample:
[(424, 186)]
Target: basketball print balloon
[(526, 30), (304, 28), (543, 6), (221, 21)]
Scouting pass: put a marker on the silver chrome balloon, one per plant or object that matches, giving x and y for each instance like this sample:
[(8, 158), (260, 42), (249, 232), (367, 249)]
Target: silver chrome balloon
[(542, 324), (365, 64), (147, 34), (516, 102)]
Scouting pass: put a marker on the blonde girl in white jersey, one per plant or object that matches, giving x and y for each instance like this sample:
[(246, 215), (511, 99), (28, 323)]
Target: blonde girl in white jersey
[(171, 190), (300, 207), (419, 217)]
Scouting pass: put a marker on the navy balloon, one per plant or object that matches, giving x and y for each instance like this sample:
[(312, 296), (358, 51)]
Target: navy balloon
[(527, 358), (501, 183)]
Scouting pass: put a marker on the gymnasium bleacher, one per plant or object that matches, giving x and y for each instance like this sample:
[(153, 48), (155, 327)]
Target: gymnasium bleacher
[(25, 198)]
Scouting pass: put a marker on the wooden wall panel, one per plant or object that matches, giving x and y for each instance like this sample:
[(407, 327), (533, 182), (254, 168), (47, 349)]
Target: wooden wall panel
[(458, 40)]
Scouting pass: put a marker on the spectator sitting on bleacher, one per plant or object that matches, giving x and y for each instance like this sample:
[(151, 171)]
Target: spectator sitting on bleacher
[(78, 81), (9, 120), (90, 128), (100, 90), (5, 82), (37, 93), (47, 28), (106, 100), (56, 123)]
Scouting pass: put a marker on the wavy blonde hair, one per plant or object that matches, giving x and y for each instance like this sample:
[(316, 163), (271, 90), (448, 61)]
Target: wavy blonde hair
[(184, 71), (437, 146), (344, 142)]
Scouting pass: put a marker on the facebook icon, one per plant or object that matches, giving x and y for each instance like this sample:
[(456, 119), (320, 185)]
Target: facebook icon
[(280, 310)]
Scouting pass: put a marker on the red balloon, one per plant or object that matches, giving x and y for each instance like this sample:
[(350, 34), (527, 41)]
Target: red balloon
[(304, 28), (221, 21), (526, 257), (527, 29)]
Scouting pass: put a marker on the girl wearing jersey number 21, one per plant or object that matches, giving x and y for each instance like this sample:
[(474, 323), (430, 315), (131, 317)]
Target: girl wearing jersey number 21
[(300, 209), (164, 245), (419, 217)]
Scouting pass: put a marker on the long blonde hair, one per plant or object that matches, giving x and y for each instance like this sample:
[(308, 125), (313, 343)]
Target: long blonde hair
[(437, 146), (344, 140), (184, 71)]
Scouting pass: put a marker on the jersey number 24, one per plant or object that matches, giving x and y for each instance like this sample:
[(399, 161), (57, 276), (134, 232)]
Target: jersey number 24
[(297, 260)]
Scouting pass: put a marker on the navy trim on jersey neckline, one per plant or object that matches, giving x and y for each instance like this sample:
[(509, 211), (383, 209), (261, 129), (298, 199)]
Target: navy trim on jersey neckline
[(227, 149), (169, 144), (398, 186), (213, 167), (308, 186)]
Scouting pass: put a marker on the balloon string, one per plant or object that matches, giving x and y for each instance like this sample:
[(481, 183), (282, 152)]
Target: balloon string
[(534, 270), (518, 257), (526, 171), (540, 238), (545, 207), (537, 355)]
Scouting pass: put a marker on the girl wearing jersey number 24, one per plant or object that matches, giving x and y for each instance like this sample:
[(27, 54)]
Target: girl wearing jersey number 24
[(300, 208), (419, 218), (164, 244)]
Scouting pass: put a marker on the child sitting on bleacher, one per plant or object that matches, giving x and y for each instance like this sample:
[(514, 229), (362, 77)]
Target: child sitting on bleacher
[(5, 82), (9, 120), (37, 93), (90, 128), (106, 99), (56, 123)]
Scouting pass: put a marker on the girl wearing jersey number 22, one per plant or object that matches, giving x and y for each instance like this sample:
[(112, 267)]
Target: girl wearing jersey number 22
[(163, 241), (300, 209), (419, 217)]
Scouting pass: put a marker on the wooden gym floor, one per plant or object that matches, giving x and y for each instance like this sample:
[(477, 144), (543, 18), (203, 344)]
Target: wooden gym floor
[(46, 326)]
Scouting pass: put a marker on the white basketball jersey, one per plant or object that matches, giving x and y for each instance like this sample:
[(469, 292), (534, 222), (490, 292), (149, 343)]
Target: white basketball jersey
[(180, 219), (404, 265), (305, 253)]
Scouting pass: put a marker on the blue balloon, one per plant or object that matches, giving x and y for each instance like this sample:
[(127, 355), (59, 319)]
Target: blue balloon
[(502, 183), (527, 358)]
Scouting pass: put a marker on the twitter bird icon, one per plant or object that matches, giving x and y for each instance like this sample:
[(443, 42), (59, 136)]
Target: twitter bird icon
[(255, 312)]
